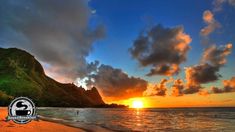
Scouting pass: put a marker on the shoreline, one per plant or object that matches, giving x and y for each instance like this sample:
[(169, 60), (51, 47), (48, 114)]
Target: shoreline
[(41, 125), (84, 127)]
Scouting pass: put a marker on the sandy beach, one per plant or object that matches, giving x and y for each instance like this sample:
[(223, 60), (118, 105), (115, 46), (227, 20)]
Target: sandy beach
[(34, 126)]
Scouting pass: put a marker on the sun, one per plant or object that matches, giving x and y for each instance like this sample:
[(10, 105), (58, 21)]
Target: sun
[(137, 104)]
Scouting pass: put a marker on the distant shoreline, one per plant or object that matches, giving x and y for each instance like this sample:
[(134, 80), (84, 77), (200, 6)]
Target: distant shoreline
[(96, 106), (123, 106)]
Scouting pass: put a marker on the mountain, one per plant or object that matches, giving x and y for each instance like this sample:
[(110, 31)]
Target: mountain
[(22, 75)]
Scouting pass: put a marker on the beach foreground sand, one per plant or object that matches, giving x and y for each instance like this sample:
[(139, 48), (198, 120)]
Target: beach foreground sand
[(33, 126)]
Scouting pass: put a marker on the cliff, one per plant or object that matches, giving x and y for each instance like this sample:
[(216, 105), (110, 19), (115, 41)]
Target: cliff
[(22, 75)]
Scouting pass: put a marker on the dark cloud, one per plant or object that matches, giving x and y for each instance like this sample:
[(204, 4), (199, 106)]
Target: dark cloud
[(228, 86), (55, 31), (192, 88), (216, 56), (213, 58), (114, 84), (161, 48), (167, 70), (157, 89), (217, 90), (202, 73), (180, 88)]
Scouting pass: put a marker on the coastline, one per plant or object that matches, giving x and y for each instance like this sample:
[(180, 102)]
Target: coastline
[(41, 125), (80, 125)]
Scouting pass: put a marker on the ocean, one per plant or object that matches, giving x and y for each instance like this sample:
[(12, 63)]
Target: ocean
[(151, 119)]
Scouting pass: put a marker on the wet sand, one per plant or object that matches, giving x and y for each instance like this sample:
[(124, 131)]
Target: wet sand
[(33, 126)]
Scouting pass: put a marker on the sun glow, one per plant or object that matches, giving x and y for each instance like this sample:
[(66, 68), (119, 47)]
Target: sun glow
[(137, 104)]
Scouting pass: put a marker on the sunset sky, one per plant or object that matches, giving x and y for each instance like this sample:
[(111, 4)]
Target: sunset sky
[(165, 53)]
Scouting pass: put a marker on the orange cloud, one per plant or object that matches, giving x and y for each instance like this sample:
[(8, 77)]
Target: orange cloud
[(229, 86), (212, 24), (230, 83), (216, 55), (157, 89), (208, 17), (203, 92), (178, 87)]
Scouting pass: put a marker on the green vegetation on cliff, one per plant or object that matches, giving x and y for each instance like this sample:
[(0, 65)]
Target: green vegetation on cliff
[(22, 75)]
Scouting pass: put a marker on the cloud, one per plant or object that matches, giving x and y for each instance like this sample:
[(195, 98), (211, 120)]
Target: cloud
[(218, 4), (217, 90), (212, 24), (55, 31), (202, 73), (208, 17), (231, 2), (192, 88), (178, 87), (114, 84), (157, 89), (203, 92), (228, 86), (167, 70), (213, 59), (164, 49), (216, 56)]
